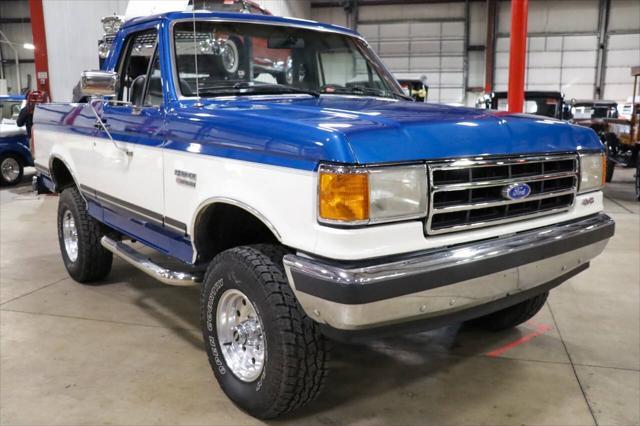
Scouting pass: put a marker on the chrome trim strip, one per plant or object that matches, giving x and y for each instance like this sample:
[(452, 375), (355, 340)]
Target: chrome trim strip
[(136, 259), (487, 162), (497, 222), (475, 206), (501, 182), (42, 169), (440, 259), (236, 203), (464, 278)]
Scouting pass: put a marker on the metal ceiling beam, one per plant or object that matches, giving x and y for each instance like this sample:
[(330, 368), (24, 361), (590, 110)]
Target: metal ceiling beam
[(20, 61), (336, 3), (603, 26), (490, 53), (465, 61), (15, 20)]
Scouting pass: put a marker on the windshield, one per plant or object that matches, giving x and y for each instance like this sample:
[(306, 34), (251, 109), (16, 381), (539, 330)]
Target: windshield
[(231, 59), (10, 109)]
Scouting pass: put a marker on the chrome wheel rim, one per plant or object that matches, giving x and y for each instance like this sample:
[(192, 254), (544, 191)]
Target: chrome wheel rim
[(70, 235), (240, 335), (10, 169), (230, 57)]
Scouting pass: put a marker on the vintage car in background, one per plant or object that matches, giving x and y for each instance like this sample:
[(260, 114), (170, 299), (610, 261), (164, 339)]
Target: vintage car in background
[(620, 134), (585, 111), (545, 103), (596, 115), (325, 207), (625, 109), (416, 88), (14, 146)]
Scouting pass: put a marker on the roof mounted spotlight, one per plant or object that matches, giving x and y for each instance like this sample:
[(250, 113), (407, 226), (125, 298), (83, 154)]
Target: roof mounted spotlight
[(111, 24)]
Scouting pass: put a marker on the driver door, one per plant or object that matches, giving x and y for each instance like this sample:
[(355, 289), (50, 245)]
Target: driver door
[(128, 153)]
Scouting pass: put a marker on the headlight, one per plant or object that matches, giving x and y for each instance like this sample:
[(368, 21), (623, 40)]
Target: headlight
[(103, 50), (360, 196), (592, 172)]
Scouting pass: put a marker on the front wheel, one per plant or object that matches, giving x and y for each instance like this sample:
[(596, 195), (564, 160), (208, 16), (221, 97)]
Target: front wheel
[(513, 315), (267, 355), (11, 169), (79, 236)]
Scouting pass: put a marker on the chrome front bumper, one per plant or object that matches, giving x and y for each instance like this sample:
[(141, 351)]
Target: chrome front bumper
[(447, 285)]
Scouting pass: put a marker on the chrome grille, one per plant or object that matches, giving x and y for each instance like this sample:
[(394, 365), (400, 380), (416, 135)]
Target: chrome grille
[(469, 193)]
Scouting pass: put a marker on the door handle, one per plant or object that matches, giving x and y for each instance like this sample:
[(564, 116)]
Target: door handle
[(101, 125)]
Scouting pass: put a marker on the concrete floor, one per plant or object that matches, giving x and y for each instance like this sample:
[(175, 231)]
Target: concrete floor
[(129, 351)]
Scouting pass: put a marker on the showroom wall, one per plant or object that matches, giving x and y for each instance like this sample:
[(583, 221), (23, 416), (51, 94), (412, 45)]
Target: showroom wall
[(19, 33), (420, 39)]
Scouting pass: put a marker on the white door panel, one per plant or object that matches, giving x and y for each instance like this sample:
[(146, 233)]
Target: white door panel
[(131, 171)]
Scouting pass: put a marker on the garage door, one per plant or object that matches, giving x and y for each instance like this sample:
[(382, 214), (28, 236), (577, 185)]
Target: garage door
[(622, 54), (565, 63), (412, 49)]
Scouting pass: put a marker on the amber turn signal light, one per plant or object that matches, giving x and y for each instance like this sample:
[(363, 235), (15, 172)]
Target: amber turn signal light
[(344, 197)]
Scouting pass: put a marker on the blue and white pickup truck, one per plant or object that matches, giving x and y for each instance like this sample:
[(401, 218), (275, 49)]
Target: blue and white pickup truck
[(314, 203)]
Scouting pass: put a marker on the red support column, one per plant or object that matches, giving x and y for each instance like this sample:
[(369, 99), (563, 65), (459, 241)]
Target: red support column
[(40, 43), (517, 54)]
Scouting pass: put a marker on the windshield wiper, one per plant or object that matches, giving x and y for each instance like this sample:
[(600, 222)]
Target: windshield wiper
[(246, 88), (366, 91)]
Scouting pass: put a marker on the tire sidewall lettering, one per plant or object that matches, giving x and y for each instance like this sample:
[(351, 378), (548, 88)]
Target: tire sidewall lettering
[(220, 365)]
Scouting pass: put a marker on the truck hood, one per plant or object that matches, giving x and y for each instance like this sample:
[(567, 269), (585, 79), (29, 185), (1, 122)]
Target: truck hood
[(372, 130)]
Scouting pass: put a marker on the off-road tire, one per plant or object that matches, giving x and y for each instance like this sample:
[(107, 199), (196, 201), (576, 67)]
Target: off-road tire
[(296, 353), (94, 261), (20, 162), (512, 316)]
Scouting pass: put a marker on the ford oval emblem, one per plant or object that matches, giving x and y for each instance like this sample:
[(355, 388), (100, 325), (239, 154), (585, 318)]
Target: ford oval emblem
[(516, 191)]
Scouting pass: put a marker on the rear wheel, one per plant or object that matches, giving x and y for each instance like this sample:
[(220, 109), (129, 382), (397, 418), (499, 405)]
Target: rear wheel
[(267, 355), (513, 315), (79, 236), (11, 169)]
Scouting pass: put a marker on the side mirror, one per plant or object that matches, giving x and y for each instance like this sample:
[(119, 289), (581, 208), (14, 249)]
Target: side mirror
[(99, 83)]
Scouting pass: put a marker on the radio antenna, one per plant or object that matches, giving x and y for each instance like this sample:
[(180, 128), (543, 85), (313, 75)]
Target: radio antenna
[(195, 59)]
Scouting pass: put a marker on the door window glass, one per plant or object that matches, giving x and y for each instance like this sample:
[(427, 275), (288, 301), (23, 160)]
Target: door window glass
[(154, 90), (134, 66)]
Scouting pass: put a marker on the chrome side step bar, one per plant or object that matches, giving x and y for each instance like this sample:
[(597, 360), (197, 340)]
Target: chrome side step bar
[(146, 265)]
